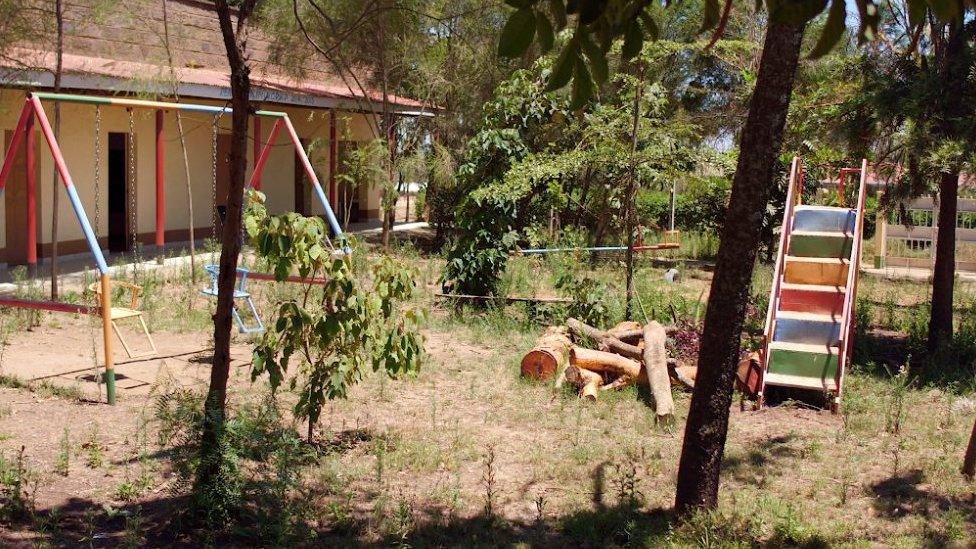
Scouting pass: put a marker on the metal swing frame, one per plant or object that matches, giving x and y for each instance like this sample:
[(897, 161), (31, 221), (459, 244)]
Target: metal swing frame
[(24, 131)]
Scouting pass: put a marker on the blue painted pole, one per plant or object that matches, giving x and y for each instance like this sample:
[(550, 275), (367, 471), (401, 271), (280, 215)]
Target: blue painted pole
[(539, 251)]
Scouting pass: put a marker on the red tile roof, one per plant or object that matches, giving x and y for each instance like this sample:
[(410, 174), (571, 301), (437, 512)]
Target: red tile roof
[(125, 41)]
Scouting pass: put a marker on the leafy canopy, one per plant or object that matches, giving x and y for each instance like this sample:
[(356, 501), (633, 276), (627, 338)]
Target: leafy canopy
[(598, 23)]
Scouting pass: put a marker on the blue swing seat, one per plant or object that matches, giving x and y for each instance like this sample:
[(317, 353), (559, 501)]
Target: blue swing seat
[(240, 292)]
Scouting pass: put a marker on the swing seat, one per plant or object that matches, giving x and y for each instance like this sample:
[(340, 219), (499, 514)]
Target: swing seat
[(240, 292), (121, 313)]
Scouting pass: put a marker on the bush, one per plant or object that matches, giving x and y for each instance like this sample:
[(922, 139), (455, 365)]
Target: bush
[(700, 207)]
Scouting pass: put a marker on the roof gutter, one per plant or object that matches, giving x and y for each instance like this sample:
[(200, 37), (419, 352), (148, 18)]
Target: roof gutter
[(41, 79)]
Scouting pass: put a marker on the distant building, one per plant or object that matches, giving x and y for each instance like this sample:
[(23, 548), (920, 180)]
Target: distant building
[(121, 53)]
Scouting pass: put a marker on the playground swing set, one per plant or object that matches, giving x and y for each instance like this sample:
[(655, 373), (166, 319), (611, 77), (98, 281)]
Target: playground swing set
[(671, 240), (33, 110)]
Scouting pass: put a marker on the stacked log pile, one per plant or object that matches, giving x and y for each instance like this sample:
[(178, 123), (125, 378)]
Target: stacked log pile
[(627, 353)]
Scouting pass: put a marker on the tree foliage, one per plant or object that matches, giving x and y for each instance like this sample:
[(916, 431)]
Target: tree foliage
[(533, 158), (331, 337)]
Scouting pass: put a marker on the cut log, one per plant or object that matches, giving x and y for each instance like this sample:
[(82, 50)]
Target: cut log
[(586, 381), (581, 328), (549, 356), (614, 345), (656, 364), (685, 375), (602, 361), (627, 331)]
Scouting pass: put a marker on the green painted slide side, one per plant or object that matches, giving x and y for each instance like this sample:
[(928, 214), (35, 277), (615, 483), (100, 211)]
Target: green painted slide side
[(807, 245), (800, 363)]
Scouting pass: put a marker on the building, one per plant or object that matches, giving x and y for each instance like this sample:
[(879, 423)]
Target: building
[(121, 52)]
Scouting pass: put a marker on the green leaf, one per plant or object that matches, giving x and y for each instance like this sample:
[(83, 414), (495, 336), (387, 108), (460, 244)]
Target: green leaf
[(869, 20), (916, 13), (562, 69), (582, 85), (598, 59), (633, 41), (558, 11), (517, 34), (590, 10), (520, 4), (543, 29), (710, 15), (945, 9), (795, 12), (650, 25), (833, 29)]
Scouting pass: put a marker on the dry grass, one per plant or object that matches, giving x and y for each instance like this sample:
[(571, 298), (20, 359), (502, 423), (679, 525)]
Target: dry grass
[(421, 461)]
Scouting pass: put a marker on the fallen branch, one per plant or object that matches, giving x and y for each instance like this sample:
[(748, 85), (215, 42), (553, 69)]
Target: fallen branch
[(604, 339)]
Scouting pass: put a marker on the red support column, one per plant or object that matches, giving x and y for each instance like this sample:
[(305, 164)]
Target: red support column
[(257, 151), (263, 156), (31, 199), (8, 160), (160, 192), (333, 158)]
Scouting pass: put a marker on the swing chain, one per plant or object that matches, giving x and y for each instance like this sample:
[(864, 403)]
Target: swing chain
[(133, 216), (98, 162), (213, 180)]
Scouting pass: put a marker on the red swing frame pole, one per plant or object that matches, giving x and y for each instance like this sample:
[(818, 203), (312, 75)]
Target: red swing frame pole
[(27, 113), (262, 159), (31, 197), (160, 190)]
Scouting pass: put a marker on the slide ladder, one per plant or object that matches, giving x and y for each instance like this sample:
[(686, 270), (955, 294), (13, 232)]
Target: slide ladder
[(810, 320)]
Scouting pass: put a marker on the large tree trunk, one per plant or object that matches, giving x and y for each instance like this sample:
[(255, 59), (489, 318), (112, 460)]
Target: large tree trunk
[(953, 69), (944, 272), (969, 460), (235, 41), (708, 418)]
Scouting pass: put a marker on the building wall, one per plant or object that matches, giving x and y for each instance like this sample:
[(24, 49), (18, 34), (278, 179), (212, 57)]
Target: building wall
[(78, 147)]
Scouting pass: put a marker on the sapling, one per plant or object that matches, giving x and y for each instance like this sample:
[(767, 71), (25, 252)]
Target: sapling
[(330, 335)]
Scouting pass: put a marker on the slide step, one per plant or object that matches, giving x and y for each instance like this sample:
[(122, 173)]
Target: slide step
[(800, 382), (812, 298), (806, 328), (824, 219), (820, 244), (820, 271), (803, 360), (813, 288)]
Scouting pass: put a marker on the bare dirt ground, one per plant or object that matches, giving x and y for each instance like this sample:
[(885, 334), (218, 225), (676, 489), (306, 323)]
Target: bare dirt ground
[(421, 460)]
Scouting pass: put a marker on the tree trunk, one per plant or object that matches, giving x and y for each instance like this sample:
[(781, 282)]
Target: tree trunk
[(944, 272), (953, 69), (969, 461), (630, 199), (174, 83), (708, 417), (55, 191), (215, 405)]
